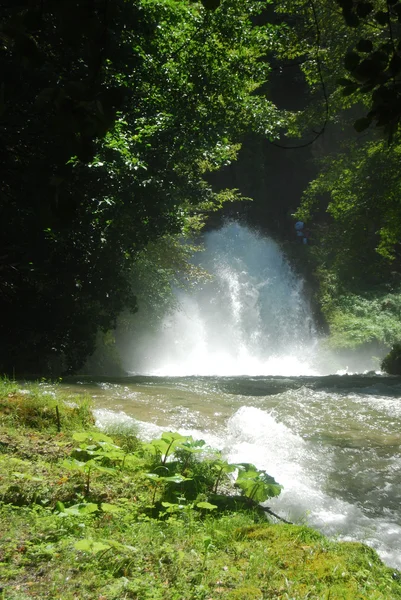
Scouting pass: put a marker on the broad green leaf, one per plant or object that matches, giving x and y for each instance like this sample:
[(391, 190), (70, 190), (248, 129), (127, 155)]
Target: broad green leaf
[(80, 437), (74, 464), (110, 508), (173, 508), (191, 443), (206, 505), (257, 485), (176, 478), (95, 436), (88, 545), (245, 467), (231, 467), (170, 436), (193, 446), (81, 509), (102, 469), (59, 506), (27, 476)]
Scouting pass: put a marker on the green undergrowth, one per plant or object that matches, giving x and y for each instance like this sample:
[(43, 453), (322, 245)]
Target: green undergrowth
[(356, 320), (84, 515)]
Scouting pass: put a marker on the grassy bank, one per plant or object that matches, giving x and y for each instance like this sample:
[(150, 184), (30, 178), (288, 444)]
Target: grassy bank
[(89, 516)]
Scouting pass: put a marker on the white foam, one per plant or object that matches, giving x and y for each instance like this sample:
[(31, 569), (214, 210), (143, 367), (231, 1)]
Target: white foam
[(254, 436), (252, 318), (110, 420)]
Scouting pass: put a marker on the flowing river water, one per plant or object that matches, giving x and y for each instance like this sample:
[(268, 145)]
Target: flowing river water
[(241, 366)]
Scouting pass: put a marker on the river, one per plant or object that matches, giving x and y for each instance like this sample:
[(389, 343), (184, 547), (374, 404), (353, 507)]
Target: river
[(241, 365), (333, 442)]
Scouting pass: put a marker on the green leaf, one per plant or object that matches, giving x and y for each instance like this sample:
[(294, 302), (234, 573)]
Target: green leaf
[(153, 476), (26, 476), (193, 446), (80, 437), (206, 505), (257, 485), (101, 437), (110, 508), (246, 467), (92, 436), (81, 509), (171, 436), (351, 60), (74, 464), (364, 45), (176, 478), (92, 546), (101, 469), (231, 467), (207, 543), (362, 124), (382, 17), (59, 506), (363, 9)]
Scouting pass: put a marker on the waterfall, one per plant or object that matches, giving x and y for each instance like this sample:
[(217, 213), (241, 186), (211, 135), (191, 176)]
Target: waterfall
[(252, 318)]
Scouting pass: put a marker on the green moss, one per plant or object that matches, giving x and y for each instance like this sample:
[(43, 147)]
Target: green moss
[(245, 593), (42, 407)]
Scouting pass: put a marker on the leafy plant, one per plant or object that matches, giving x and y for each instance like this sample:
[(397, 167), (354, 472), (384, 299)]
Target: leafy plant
[(158, 481), (94, 455), (77, 510), (256, 485), (187, 478)]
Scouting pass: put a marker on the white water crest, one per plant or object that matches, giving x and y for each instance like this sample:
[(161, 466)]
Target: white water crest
[(303, 468), (251, 319)]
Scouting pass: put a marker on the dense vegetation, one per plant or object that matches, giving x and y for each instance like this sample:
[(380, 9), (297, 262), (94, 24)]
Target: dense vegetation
[(89, 515), (349, 54), (111, 114), (119, 122)]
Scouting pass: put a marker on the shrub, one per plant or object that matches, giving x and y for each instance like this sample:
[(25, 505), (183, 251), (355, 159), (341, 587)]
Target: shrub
[(392, 362)]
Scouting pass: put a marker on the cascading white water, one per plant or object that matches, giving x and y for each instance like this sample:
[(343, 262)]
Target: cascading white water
[(251, 319)]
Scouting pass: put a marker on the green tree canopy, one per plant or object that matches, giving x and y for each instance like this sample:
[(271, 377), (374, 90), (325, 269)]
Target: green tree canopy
[(348, 54), (111, 113)]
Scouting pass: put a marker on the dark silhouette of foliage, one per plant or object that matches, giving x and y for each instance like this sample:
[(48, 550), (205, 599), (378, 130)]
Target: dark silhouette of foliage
[(392, 362), (110, 114), (374, 64)]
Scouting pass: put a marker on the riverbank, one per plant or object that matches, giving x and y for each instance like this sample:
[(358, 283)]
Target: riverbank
[(89, 516)]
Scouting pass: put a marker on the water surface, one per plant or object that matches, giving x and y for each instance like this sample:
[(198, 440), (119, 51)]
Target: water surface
[(333, 442)]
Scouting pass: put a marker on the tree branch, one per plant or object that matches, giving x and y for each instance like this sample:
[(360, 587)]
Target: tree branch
[(270, 512)]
